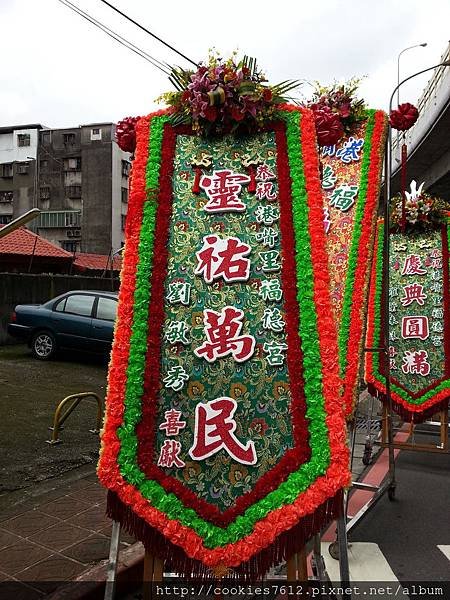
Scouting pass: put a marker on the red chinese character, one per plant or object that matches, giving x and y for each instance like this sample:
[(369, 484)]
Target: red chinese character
[(222, 331), (263, 173), (223, 258), (413, 292), (223, 189), (264, 189), (415, 327), (168, 456), (214, 430), (416, 362), (413, 265), (172, 424)]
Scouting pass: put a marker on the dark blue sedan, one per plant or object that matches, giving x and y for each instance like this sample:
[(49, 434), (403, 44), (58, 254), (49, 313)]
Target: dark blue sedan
[(83, 320)]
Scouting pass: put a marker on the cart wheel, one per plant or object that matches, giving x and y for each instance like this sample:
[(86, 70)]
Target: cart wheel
[(391, 493), (333, 549)]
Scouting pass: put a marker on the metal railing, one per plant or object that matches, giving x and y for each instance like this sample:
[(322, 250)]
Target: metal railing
[(73, 401)]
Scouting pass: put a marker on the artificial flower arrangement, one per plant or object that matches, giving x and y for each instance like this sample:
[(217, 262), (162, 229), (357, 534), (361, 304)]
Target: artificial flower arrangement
[(421, 210), (336, 109), (224, 95)]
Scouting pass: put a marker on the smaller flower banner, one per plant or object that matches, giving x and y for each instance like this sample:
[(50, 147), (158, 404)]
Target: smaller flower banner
[(418, 321), (351, 174)]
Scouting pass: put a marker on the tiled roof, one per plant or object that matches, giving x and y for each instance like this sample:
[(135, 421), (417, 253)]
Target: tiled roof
[(23, 242), (97, 262)]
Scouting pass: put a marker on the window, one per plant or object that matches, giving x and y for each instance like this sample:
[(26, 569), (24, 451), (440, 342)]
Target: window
[(60, 306), (96, 134), (6, 170), (59, 218), (106, 309), (6, 197), (69, 246), (72, 164), (46, 137), (124, 194), (23, 168), (44, 192), (69, 138), (23, 139), (125, 168), (4, 219), (73, 191), (79, 304), (123, 219)]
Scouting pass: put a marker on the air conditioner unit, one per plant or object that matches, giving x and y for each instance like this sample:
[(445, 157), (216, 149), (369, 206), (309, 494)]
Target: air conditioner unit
[(76, 232), (70, 233)]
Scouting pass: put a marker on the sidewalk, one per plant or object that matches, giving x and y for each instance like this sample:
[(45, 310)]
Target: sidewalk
[(55, 536)]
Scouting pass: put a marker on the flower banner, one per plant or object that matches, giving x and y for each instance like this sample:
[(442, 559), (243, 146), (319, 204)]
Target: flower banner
[(351, 174), (418, 321), (224, 440)]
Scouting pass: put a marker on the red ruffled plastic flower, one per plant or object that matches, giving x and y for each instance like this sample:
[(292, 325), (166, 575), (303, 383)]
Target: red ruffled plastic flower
[(404, 117), (329, 127), (126, 134)]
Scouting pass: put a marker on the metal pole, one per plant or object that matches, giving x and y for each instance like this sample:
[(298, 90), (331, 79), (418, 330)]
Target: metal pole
[(112, 564)]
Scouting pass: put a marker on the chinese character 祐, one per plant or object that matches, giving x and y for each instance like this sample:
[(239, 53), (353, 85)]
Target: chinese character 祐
[(176, 378), (223, 258), (267, 236), (415, 327), (326, 219), (413, 293), (328, 150), (343, 197), (267, 214), (169, 454), (350, 150), (275, 356), (328, 178), (179, 292), (172, 423), (271, 290), (270, 260), (176, 331), (263, 173), (273, 320), (413, 265), (416, 362), (223, 189), (214, 430), (265, 190), (222, 331)]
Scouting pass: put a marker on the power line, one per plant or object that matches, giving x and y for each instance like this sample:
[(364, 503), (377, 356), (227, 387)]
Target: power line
[(117, 37), (149, 32)]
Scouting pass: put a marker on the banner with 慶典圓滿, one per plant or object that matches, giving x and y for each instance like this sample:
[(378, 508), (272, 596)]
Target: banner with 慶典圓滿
[(417, 323), (351, 175), (224, 440)]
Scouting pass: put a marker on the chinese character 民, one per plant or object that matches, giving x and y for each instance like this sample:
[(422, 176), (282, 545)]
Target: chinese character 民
[(267, 236), (275, 356), (413, 293), (214, 430), (413, 265), (271, 290), (415, 327), (350, 150), (416, 362), (176, 332), (169, 454), (270, 260), (223, 258), (273, 320), (172, 423), (267, 214), (223, 189), (179, 292), (222, 331), (176, 378), (343, 197), (328, 178), (265, 191)]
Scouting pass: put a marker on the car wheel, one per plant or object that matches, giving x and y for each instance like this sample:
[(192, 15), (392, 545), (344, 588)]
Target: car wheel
[(43, 345)]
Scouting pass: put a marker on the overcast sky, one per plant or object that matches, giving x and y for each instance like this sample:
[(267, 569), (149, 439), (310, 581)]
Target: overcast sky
[(61, 71)]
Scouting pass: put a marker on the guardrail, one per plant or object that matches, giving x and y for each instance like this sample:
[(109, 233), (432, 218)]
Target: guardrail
[(61, 417)]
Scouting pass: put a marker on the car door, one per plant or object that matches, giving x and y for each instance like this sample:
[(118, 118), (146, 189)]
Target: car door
[(103, 322), (72, 320)]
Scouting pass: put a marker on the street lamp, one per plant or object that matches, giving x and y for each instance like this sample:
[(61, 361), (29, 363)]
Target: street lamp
[(16, 223), (398, 66)]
